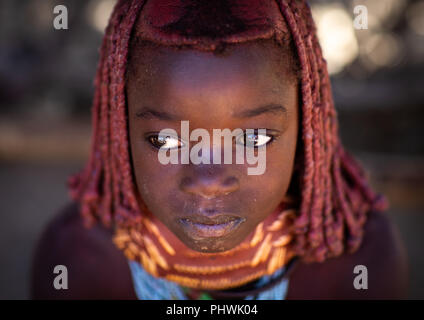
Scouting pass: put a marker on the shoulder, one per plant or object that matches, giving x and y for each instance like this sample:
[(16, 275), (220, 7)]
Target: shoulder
[(95, 268), (383, 255)]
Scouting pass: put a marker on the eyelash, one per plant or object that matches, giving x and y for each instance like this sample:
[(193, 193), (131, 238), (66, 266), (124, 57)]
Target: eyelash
[(152, 138)]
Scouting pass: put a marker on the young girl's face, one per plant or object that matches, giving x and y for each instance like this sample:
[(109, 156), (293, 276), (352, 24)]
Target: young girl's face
[(211, 207)]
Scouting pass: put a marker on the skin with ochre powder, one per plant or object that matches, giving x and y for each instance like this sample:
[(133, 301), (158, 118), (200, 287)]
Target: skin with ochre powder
[(239, 90)]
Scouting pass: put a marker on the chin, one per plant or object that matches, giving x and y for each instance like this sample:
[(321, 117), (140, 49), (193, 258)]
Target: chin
[(211, 245)]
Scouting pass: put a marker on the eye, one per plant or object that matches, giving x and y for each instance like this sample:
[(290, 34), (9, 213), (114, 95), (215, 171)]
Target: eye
[(164, 141), (254, 139)]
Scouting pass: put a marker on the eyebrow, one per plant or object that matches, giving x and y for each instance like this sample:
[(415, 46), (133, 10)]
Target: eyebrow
[(269, 108), (148, 113)]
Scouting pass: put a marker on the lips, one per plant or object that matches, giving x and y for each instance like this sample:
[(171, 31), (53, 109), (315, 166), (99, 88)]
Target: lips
[(199, 226)]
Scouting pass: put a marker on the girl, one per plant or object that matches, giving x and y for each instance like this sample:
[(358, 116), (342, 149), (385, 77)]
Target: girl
[(207, 230)]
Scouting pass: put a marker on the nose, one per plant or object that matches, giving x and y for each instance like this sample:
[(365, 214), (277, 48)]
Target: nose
[(209, 181)]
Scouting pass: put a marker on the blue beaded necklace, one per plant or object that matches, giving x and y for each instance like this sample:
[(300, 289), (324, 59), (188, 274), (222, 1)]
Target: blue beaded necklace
[(148, 287)]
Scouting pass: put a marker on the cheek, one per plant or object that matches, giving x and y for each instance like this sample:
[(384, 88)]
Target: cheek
[(151, 177), (279, 170), (270, 188), (147, 169)]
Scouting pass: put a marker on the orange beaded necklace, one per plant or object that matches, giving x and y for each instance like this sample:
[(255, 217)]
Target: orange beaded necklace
[(163, 255)]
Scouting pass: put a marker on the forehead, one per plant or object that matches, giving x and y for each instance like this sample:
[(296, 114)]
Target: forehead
[(256, 62)]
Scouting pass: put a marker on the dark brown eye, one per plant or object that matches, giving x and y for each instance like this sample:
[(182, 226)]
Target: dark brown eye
[(166, 142), (255, 139)]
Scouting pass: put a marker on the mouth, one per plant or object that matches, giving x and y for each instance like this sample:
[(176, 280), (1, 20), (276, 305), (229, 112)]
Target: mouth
[(200, 227)]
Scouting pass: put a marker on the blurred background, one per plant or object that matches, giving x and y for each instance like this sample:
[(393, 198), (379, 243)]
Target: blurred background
[(46, 88)]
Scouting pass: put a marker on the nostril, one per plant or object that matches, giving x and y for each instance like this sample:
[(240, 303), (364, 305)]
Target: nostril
[(209, 188), (231, 182), (186, 183)]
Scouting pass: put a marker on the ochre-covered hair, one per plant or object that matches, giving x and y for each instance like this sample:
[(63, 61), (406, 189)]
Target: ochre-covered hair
[(335, 197)]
